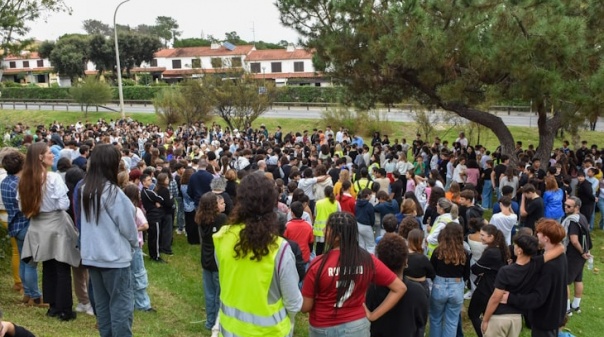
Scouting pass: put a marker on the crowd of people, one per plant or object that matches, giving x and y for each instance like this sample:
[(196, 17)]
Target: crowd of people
[(379, 238)]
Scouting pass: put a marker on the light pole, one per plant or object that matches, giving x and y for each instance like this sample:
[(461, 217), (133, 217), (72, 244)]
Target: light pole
[(117, 59)]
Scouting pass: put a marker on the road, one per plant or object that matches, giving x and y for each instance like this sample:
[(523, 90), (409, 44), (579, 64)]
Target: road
[(514, 119)]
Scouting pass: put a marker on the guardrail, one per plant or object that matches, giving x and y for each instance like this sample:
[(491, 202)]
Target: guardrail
[(12, 102)]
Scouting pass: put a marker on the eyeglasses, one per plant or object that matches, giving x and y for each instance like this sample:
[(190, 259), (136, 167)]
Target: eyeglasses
[(569, 206)]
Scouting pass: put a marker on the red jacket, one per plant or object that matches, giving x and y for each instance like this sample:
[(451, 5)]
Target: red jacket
[(347, 203)]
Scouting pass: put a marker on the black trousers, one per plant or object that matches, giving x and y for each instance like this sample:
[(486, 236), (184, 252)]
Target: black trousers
[(153, 237), (192, 229), (165, 235), (477, 306), (56, 286), (544, 333)]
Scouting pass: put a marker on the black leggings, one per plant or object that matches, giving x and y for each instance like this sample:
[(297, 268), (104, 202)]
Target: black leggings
[(56, 286)]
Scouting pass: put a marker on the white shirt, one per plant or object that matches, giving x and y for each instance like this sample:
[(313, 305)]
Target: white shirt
[(505, 223)]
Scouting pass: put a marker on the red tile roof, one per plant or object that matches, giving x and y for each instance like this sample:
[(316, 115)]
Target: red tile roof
[(13, 71), (279, 54), (273, 76), (26, 56), (203, 51)]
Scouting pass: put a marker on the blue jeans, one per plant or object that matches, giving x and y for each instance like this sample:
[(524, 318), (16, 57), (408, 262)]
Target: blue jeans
[(600, 205), (445, 306), (180, 213), (27, 272), (114, 300), (211, 289), (358, 328), (140, 282), (487, 194)]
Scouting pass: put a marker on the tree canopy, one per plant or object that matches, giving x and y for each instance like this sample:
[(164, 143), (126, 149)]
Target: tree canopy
[(460, 55)]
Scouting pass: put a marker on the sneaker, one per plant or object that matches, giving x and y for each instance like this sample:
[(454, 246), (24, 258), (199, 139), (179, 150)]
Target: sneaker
[(87, 308), (576, 310), (25, 299), (180, 232), (468, 295), (67, 316), (37, 302), (159, 260), (150, 310), (569, 313)]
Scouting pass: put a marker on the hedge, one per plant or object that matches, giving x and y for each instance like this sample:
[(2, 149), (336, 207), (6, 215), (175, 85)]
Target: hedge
[(305, 94)]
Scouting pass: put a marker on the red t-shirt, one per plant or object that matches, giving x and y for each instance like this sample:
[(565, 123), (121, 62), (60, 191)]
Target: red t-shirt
[(347, 203), (323, 313), (300, 231)]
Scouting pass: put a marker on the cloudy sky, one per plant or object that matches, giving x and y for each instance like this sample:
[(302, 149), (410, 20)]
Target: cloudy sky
[(195, 17)]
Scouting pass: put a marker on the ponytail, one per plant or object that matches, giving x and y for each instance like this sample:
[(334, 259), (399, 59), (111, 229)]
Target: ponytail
[(329, 194)]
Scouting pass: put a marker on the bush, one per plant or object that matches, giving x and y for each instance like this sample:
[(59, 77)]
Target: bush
[(138, 92), (364, 123), (308, 94), (127, 82), (11, 84), (36, 93)]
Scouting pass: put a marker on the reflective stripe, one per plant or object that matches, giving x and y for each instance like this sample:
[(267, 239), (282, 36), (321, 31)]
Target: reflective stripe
[(264, 321), (226, 333)]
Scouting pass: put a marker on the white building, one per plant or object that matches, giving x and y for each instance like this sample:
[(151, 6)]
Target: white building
[(27, 68)]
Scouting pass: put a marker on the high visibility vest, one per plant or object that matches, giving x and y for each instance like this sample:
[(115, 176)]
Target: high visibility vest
[(362, 184), (445, 218), (324, 208), (245, 284)]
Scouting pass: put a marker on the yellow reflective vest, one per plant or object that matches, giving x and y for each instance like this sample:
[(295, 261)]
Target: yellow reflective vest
[(245, 284), (323, 208)]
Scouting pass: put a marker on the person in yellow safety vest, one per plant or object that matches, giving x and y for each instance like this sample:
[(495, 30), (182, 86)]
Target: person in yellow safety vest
[(447, 212), (323, 209), (362, 183), (259, 293)]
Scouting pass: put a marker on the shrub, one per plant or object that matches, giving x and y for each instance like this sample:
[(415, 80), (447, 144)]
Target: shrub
[(364, 123), (91, 92), (168, 104), (35, 93), (308, 94)]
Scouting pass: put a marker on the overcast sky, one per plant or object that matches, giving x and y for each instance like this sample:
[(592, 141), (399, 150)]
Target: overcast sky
[(213, 17)]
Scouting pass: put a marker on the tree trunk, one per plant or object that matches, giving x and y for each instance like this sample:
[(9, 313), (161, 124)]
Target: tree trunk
[(547, 133), (488, 120)]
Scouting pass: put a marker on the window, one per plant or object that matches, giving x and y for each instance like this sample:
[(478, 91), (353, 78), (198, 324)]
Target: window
[(236, 62), (41, 78), (25, 64), (176, 64), (196, 63), (255, 67), (216, 62), (40, 63), (275, 67), (12, 64), (298, 67), (154, 63)]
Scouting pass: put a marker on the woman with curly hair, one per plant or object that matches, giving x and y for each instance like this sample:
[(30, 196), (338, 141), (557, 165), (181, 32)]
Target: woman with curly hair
[(51, 238), (251, 249), (336, 283), (210, 217), (452, 267)]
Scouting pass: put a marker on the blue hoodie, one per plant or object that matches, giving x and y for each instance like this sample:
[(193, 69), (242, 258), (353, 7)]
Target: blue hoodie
[(364, 212), (110, 242)]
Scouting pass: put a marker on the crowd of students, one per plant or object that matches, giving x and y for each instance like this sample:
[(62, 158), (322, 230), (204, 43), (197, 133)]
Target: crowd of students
[(375, 238)]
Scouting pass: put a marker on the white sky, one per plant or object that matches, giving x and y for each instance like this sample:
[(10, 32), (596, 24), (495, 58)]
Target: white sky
[(213, 17)]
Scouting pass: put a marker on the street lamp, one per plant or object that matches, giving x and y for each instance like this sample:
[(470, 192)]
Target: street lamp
[(119, 67)]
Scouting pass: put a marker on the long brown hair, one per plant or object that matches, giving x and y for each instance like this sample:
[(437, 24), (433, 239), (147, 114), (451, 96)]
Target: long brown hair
[(207, 211), (32, 180), (450, 245)]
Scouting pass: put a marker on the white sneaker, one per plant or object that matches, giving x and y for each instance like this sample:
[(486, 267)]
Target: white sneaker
[(467, 295), (180, 232), (87, 308)]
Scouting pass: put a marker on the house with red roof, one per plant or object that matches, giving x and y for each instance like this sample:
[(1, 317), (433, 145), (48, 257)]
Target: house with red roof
[(27, 68)]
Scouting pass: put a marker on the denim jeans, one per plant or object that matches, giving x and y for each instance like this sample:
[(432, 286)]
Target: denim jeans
[(211, 289), (445, 306), (140, 282), (114, 300), (358, 328), (27, 272), (600, 205), (180, 213), (487, 194)]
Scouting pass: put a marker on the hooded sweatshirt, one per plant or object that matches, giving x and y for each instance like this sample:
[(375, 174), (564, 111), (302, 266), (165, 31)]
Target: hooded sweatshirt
[(347, 203), (364, 212)]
